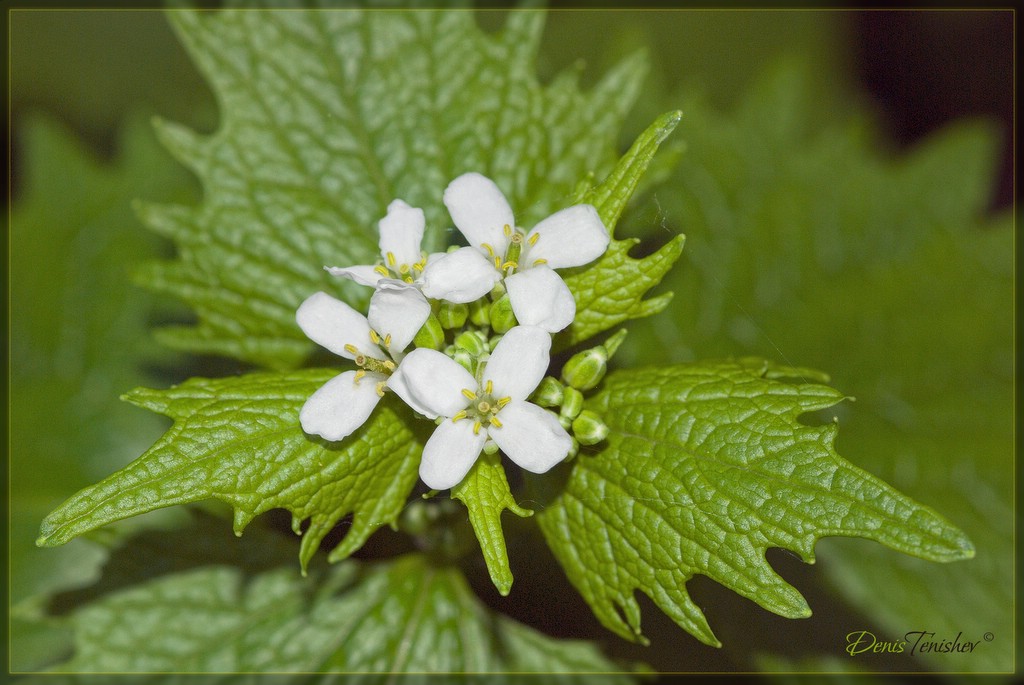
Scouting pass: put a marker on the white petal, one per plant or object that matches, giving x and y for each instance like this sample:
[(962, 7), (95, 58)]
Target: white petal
[(479, 210), (340, 406), (461, 276), (541, 298), (450, 453), (399, 312), (530, 436), (519, 362), (362, 274), (573, 236), (330, 322), (429, 380), (398, 383), (401, 233)]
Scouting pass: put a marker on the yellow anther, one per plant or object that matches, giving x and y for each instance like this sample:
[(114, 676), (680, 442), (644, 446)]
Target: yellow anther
[(508, 230), (489, 387), (538, 262), (387, 340), (503, 401), (381, 270), (408, 279), (533, 239), (507, 265), (495, 422), (476, 428), (469, 394), (490, 250), (389, 365), (380, 389), (391, 258), (351, 349), (497, 263), (461, 415), (374, 337), (359, 374)]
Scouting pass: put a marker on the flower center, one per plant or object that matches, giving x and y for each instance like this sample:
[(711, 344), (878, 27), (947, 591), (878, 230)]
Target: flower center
[(514, 257), (483, 407), (390, 268), (366, 363)]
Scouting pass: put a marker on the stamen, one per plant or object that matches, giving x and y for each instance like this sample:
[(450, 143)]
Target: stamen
[(538, 262), (404, 269), (506, 265), (503, 401), (508, 230), (359, 374), (408, 279), (476, 428), (489, 388), (387, 340), (391, 259), (381, 270), (497, 263), (533, 239), (374, 337), (469, 394), (389, 365), (380, 389), (495, 422), (351, 349), (490, 250), (461, 415)]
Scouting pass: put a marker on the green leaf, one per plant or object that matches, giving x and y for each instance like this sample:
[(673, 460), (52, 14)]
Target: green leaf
[(611, 290), (706, 467), (906, 299), (486, 494), (401, 616), (78, 336), (350, 111), (238, 440)]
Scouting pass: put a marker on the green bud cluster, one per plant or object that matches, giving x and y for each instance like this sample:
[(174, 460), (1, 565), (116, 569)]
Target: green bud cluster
[(586, 426), (584, 371)]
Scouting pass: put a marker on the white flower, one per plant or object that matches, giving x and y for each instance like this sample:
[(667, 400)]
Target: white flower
[(401, 232), (375, 343), (494, 408), (525, 260)]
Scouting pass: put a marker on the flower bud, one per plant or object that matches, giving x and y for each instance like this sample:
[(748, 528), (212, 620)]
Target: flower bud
[(452, 315), (588, 428), (431, 335), (473, 342), (465, 360), (549, 393), (586, 369), (502, 318), (480, 313), (572, 403), (573, 451)]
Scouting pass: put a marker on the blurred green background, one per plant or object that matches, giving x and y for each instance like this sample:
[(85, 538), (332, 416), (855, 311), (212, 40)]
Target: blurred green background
[(896, 280)]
